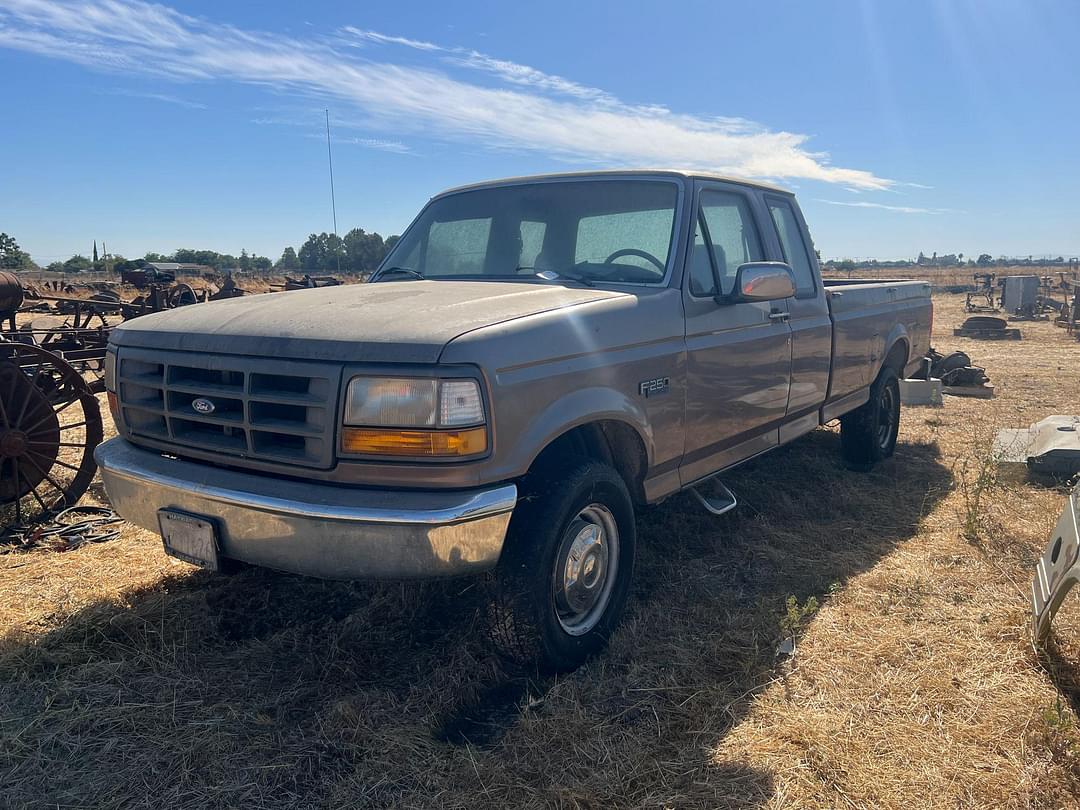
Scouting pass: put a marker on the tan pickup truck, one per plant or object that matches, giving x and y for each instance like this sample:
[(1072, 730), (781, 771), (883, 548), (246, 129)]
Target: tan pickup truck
[(535, 357)]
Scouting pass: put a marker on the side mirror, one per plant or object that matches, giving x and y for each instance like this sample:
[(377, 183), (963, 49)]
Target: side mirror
[(763, 281)]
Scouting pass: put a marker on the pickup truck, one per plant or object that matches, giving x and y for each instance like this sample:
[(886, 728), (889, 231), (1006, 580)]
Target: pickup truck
[(535, 359)]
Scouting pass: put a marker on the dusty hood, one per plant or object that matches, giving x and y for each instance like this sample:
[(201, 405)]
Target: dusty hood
[(398, 322)]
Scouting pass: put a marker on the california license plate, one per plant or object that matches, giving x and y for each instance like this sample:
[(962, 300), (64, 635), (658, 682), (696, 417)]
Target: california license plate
[(189, 538)]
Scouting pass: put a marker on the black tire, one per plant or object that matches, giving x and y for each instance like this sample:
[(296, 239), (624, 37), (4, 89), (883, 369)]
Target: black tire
[(868, 433), (953, 361), (532, 619), (985, 322)]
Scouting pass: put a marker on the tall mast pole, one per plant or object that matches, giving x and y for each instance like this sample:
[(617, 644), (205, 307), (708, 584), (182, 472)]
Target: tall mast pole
[(333, 202)]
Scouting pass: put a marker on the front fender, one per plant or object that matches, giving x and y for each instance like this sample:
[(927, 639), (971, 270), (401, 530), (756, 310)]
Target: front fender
[(581, 407)]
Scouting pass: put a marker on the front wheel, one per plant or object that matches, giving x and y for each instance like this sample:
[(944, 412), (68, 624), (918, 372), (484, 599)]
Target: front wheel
[(565, 573), (868, 433)]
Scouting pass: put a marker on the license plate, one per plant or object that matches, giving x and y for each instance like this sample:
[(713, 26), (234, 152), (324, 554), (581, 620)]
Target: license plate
[(189, 538)]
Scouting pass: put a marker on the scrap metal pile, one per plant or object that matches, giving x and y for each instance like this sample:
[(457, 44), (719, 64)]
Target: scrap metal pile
[(987, 327), (50, 420), (1059, 569), (1022, 298), (956, 370), (952, 373)]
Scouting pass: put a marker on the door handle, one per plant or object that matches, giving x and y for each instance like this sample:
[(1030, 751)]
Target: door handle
[(778, 315)]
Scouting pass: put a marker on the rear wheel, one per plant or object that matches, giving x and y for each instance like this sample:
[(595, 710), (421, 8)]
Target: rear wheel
[(564, 576), (868, 434)]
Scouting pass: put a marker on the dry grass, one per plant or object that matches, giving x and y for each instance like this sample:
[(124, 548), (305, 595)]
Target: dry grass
[(129, 680)]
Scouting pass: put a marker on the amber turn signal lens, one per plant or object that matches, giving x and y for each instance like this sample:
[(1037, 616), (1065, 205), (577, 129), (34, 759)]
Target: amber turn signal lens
[(417, 443), (114, 407)]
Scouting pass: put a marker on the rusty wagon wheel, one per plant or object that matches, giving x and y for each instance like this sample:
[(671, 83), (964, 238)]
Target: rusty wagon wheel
[(50, 423)]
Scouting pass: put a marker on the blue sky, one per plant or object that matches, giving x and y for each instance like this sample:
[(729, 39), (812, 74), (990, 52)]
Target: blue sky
[(922, 125)]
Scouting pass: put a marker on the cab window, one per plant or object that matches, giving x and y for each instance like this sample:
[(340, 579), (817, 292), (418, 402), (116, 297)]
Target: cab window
[(702, 280), (796, 252), (458, 246), (732, 234)]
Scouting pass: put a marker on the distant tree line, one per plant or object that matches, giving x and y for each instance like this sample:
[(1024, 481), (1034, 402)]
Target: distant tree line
[(951, 260), (358, 252)]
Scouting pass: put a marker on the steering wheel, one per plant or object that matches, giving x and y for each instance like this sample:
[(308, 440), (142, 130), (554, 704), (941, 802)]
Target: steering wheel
[(635, 252)]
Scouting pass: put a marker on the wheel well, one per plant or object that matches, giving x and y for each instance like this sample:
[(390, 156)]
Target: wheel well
[(897, 357), (611, 442)]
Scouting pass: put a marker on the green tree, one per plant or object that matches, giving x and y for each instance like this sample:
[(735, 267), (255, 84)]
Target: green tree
[(288, 260), (312, 253), (245, 261), (261, 263), (12, 257), (336, 259), (363, 250), (322, 254), (122, 265), (77, 264)]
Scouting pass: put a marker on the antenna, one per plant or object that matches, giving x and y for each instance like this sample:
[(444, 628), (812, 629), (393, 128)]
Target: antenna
[(333, 202)]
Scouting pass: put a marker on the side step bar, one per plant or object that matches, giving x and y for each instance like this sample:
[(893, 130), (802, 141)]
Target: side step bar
[(716, 504)]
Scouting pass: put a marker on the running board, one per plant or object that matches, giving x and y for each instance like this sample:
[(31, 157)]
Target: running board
[(717, 505)]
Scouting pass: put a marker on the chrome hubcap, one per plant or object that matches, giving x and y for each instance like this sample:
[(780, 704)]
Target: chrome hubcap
[(585, 569), (886, 410)]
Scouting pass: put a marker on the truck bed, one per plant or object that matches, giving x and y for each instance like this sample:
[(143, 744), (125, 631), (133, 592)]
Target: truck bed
[(867, 317)]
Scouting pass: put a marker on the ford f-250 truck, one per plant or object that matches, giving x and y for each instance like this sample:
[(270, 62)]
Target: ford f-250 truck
[(534, 358)]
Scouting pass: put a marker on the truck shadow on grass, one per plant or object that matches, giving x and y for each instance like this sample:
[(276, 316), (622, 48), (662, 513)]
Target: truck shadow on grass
[(267, 690)]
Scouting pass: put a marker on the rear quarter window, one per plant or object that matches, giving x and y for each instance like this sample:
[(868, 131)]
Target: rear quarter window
[(796, 251)]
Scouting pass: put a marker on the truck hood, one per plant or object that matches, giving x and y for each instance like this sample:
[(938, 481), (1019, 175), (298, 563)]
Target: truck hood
[(387, 322)]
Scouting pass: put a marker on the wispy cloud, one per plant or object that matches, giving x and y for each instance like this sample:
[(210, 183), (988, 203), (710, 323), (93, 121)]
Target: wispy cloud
[(511, 72), (383, 145), (397, 147), (385, 39), (526, 110), (899, 209), (164, 97)]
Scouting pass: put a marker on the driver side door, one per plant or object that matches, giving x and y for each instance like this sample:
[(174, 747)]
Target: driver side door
[(738, 354)]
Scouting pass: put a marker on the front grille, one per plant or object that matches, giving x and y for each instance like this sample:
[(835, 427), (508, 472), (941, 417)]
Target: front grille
[(280, 411)]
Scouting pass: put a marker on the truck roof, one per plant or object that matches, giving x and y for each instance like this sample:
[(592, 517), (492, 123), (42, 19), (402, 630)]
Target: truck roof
[(683, 173)]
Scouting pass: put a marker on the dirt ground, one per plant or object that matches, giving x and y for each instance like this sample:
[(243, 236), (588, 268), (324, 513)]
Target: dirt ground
[(131, 680)]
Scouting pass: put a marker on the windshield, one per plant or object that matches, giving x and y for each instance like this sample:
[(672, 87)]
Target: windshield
[(590, 230)]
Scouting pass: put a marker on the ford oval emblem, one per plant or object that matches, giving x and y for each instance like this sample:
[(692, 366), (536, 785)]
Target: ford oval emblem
[(202, 405)]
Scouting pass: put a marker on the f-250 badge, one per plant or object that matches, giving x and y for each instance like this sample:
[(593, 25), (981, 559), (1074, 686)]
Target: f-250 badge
[(653, 388)]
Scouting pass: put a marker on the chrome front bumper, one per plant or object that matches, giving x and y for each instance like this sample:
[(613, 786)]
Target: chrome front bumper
[(314, 528)]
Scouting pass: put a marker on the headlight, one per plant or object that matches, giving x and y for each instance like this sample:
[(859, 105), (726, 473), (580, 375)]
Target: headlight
[(413, 417), (388, 402)]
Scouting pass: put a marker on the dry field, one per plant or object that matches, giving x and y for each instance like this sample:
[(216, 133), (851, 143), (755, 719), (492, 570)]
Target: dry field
[(130, 680)]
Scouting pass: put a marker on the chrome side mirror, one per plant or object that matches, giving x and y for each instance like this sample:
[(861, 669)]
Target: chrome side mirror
[(763, 281)]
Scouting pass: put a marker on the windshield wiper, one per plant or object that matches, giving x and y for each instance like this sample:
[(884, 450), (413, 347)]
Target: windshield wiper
[(406, 271), (553, 275)]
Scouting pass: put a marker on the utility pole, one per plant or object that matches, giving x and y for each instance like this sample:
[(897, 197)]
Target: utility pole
[(333, 202)]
